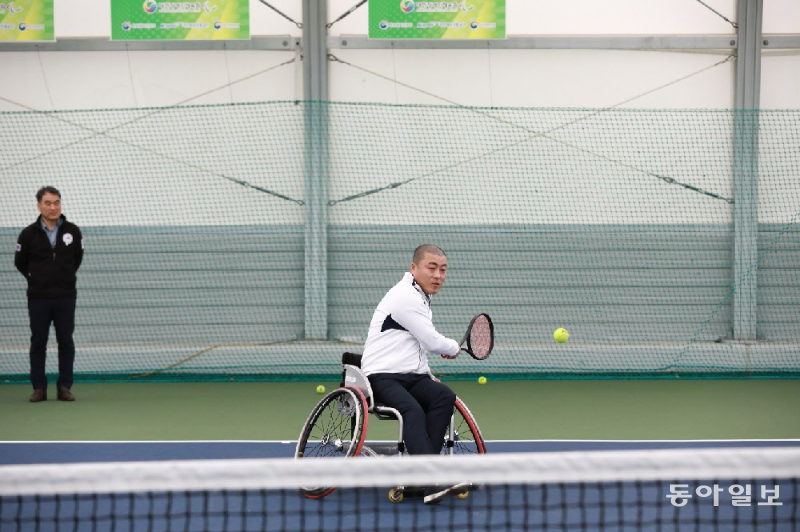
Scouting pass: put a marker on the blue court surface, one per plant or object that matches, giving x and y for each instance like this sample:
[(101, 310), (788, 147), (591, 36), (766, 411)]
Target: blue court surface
[(73, 452)]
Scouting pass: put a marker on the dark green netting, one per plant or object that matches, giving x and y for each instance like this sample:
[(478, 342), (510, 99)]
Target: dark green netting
[(666, 242)]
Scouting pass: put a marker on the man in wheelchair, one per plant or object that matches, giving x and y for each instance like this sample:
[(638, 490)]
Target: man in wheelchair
[(395, 360)]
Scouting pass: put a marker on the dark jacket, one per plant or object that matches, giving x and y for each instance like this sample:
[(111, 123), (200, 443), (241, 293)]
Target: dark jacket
[(50, 271)]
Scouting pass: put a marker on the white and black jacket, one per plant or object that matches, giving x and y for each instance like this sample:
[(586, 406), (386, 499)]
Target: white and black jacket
[(401, 332)]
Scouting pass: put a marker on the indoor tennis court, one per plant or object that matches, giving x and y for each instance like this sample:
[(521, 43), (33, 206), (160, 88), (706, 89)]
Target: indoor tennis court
[(615, 184)]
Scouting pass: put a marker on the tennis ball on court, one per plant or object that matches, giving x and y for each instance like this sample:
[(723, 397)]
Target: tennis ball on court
[(481, 380), (561, 335), (320, 389)]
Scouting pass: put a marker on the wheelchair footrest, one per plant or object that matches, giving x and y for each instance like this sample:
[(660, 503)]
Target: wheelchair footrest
[(384, 449)]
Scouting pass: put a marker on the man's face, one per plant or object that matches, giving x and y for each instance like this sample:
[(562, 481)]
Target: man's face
[(430, 272), (50, 207)]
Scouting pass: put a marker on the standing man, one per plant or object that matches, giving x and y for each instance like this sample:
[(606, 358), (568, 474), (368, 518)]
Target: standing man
[(49, 253), (396, 362)]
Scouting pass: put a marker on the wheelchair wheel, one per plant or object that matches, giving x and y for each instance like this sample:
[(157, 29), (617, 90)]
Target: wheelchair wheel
[(467, 436), (336, 428)]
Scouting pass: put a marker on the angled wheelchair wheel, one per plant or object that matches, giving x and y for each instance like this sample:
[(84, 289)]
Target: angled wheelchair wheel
[(336, 428), (466, 437)]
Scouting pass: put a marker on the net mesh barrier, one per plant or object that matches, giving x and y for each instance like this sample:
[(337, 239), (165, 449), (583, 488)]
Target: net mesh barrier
[(254, 241), (747, 490)]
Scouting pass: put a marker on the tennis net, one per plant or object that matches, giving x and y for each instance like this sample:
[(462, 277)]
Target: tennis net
[(667, 490)]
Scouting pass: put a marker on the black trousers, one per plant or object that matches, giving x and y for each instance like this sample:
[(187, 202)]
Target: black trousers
[(426, 407), (60, 312)]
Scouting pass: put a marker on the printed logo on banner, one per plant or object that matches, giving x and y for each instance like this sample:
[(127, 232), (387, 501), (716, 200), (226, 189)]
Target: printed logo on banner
[(423, 19), (407, 6), (26, 20), (180, 19), (9, 8)]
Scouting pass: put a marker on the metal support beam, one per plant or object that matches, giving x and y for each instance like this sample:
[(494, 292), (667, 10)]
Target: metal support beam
[(358, 42), (103, 44), (315, 90), (745, 168), (780, 42), (546, 42)]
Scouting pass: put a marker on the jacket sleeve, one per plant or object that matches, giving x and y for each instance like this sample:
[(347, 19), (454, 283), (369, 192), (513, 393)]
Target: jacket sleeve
[(79, 250), (413, 315), (22, 254)]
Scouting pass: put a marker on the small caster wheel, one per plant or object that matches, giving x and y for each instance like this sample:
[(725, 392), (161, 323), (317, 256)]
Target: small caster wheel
[(396, 494)]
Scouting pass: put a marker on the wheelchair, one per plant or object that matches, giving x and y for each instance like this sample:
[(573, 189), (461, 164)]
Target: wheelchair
[(337, 427)]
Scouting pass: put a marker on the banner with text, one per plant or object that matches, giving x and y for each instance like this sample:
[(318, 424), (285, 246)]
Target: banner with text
[(138, 20), (409, 19), (27, 20)]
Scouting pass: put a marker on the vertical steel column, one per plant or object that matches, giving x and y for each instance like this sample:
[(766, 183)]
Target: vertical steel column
[(315, 91), (745, 168)]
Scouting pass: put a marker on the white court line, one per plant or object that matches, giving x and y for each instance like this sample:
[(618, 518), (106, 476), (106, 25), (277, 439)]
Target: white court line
[(390, 441)]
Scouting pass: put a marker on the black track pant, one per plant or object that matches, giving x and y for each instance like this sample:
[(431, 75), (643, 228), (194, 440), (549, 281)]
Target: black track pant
[(426, 407), (59, 311)]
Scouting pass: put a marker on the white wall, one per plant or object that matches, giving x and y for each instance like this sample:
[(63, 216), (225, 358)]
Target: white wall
[(472, 77), (781, 16), (585, 17), (98, 80), (533, 78), (529, 166), (779, 164), (545, 78), (497, 78), (780, 80), (108, 182), (91, 80), (780, 69), (157, 166)]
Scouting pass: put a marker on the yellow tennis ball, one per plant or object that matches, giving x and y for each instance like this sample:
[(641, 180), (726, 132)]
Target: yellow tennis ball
[(481, 380), (561, 335), (320, 389)]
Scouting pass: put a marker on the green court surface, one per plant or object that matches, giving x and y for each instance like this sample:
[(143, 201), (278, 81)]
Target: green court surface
[(524, 410)]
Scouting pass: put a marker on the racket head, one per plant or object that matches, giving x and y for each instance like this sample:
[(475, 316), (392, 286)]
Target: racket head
[(480, 337)]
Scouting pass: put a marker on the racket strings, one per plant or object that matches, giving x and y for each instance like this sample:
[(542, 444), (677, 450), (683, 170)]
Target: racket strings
[(480, 337)]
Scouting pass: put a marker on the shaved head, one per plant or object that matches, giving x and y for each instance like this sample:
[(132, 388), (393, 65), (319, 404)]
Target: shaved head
[(420, 252), (429, 268)]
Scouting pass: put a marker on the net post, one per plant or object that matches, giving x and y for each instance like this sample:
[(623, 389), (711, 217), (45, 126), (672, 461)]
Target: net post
[(315, 90), (745, 168)]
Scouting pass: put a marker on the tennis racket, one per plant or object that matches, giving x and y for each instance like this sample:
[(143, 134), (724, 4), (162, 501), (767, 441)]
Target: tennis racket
[(479, 337)]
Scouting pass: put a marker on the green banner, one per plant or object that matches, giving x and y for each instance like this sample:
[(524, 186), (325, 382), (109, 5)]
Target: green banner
[(27, 20), (146, 20), (465, 19)]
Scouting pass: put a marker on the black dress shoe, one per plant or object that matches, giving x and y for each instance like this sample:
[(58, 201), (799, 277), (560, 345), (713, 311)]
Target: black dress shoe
[(64, 394), (39, 394)]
